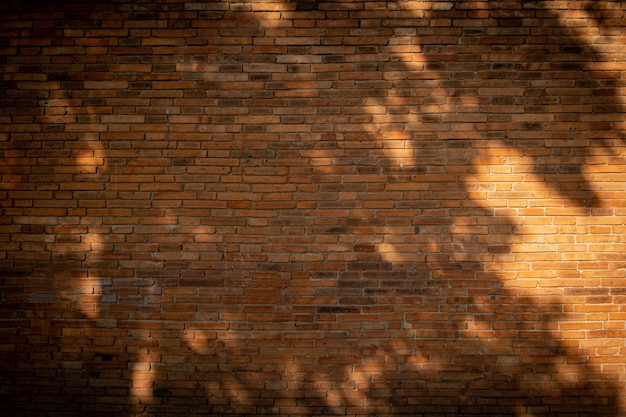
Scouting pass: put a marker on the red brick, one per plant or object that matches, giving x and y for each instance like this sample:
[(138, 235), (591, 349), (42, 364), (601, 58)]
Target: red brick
[(312, 208)]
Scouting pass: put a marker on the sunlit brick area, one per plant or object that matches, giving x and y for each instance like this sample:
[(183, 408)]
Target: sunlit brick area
[(312, 208)]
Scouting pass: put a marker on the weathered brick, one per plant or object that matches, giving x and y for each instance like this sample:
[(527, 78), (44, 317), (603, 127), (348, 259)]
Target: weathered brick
[(312, 208)]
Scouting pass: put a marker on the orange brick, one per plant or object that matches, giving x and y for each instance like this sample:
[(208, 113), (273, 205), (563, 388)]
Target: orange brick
[(312, 208)]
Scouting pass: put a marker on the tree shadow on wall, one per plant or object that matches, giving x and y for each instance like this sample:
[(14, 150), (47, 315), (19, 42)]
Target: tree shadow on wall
[(470, 339), (425, 313)]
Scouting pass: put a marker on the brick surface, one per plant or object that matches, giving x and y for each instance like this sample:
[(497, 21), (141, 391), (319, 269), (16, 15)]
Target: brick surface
[(306, 207)]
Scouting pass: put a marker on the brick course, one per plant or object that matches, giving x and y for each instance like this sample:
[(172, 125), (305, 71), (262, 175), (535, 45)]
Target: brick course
[(299, 208)]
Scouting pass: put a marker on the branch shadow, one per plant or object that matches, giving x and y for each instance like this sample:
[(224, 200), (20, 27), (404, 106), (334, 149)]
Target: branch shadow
[(386, 284)]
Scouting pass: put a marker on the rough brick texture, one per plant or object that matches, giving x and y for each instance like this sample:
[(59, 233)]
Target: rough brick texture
[(299, 208)]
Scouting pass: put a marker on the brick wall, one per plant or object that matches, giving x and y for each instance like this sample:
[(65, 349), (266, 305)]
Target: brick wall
[(313, 208)]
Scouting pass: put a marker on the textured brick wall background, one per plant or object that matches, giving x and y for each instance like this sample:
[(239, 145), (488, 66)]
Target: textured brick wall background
[(313, 208)]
